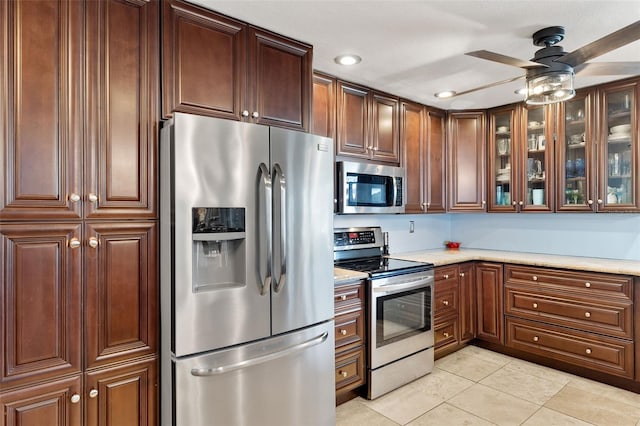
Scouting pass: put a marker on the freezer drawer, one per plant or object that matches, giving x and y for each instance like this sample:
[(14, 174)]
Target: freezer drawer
[(283, 380)]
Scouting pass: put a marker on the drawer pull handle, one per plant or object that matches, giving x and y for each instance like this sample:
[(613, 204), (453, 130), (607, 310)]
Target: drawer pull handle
[(461, 274), (587, 314), (446, 276), (535, 305), (535, 338), (587, 284), (535, 278), (343, 297), (588, 351), (445, 334), (343, 332), (445, 302), (343, 373)]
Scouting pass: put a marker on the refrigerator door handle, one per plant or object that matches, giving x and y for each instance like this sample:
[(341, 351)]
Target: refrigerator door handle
[(277, 171), (265, 180), (206, 372)]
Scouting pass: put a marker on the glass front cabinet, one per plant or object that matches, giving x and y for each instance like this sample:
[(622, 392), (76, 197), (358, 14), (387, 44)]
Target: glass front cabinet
[(503, 140), (617, 185), (537, 161)]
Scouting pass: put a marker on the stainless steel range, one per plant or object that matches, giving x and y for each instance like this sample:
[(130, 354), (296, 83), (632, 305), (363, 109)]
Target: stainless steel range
[(399, 309)]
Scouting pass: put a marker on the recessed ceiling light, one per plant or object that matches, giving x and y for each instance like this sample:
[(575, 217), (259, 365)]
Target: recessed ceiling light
[(445, 94), (347, 59)]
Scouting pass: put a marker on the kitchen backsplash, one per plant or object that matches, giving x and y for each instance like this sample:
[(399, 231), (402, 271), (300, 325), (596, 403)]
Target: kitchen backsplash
[(614, 236)]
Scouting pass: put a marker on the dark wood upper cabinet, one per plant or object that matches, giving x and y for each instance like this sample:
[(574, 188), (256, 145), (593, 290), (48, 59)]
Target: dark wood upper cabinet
[(367, 124), (422, 138), (324, 105), (41, 302), (122, 63), (41, 124), (217, 66), (466, 159)]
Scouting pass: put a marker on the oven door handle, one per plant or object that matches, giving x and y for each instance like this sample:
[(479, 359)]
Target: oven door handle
[(407, 285)]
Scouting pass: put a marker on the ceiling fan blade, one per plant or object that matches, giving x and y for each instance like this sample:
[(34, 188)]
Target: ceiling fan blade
[(504, 59), (486, 86), (616, 39), (608, 68)]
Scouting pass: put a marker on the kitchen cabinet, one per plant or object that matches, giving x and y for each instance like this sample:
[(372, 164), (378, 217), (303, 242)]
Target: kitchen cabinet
[(585, 319), (324, 105), (221, 67), (536, 162), (618, 186), (367, 124), (489, 302), (504, 145), (454, 307), (350, 340), (78, 215), (466, 161), (422, 136)]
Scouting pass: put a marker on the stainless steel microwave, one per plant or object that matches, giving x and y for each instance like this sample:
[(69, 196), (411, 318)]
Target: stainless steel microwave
[(370, 188)]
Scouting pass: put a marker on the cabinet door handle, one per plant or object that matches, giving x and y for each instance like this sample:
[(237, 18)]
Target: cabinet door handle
[(93, 393), (255, 114), (599, 201), (445, 334), (535, 278), (75, 398), (343, 373), (74, 198), (93, 242), (445, 302), (74, 243), (536, 338), (461, 274), (343, 332), (535, 305), (588, 351), (245, 113), (590, 202), (587, 314), (587, 284), (446, 276), (343, 297), (93, 197)]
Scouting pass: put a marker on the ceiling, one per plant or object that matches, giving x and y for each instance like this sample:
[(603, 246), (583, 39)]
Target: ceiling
[(414, 49)]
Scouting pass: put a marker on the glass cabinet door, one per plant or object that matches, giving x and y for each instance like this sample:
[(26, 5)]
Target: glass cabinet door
[(502, 138), (537, 171), (618, 185), (575, 155)]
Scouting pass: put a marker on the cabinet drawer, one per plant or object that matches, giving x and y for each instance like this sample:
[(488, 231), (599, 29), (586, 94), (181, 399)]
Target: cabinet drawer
[(446, 299), (598, 315), (446, 273), (350, 370), (590, 283), (446, 333), (348, 297), (349, 329), (605, 354)]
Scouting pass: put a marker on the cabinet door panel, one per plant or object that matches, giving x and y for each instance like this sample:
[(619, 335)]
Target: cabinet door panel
[(467, 302), (122, 52), (435, 162), (352, 121), (324, 106), (466, 161), (121, 292), (41, 298), (126, 395), (280, 75), (41, 123), (385, 131), (489, 286), (204, 62), (48, 404)]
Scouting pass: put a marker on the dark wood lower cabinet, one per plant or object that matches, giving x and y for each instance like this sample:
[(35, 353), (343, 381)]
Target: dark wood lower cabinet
[(489, 302)]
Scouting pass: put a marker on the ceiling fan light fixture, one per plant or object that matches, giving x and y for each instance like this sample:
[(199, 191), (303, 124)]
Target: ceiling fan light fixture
[(445, 94), (550, 88)]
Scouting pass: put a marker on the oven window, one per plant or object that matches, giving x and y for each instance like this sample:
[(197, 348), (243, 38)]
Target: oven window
[(402, 315), (369, 190)]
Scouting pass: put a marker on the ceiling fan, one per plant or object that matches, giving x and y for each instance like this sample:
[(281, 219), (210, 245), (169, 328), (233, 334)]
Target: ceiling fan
[(550, 73)]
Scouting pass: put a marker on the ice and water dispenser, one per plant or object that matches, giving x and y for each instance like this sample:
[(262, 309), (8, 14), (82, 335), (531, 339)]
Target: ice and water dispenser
[(218, 256)]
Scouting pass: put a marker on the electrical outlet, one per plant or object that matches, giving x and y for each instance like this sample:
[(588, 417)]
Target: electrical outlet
[(412, 227)]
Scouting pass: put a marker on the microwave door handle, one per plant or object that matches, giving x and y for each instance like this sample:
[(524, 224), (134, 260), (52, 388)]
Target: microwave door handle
[(265, 181), (277, 171)]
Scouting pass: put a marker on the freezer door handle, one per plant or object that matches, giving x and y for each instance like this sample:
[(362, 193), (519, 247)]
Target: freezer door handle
[(282, 213), (265, 181), (206, 372)]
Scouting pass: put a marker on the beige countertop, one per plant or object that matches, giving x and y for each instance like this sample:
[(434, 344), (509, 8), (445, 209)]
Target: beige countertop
[(592, 264), (341, 276)]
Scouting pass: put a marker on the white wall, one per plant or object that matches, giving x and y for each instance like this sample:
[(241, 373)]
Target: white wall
[(615, 236)]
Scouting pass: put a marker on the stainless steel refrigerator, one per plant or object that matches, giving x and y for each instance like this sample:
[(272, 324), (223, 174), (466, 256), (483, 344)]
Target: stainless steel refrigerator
[(246, 274)]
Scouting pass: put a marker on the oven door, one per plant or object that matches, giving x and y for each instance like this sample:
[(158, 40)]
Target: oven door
[(401, 316)]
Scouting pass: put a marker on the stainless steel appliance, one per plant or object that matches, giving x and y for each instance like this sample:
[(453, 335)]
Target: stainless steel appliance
[(246, 275), (370, 188), (399, 308)]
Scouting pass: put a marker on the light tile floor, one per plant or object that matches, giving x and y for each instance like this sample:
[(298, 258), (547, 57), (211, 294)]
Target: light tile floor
[(475, 386)]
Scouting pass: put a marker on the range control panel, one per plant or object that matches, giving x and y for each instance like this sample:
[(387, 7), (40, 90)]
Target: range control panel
[(351, 238)]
